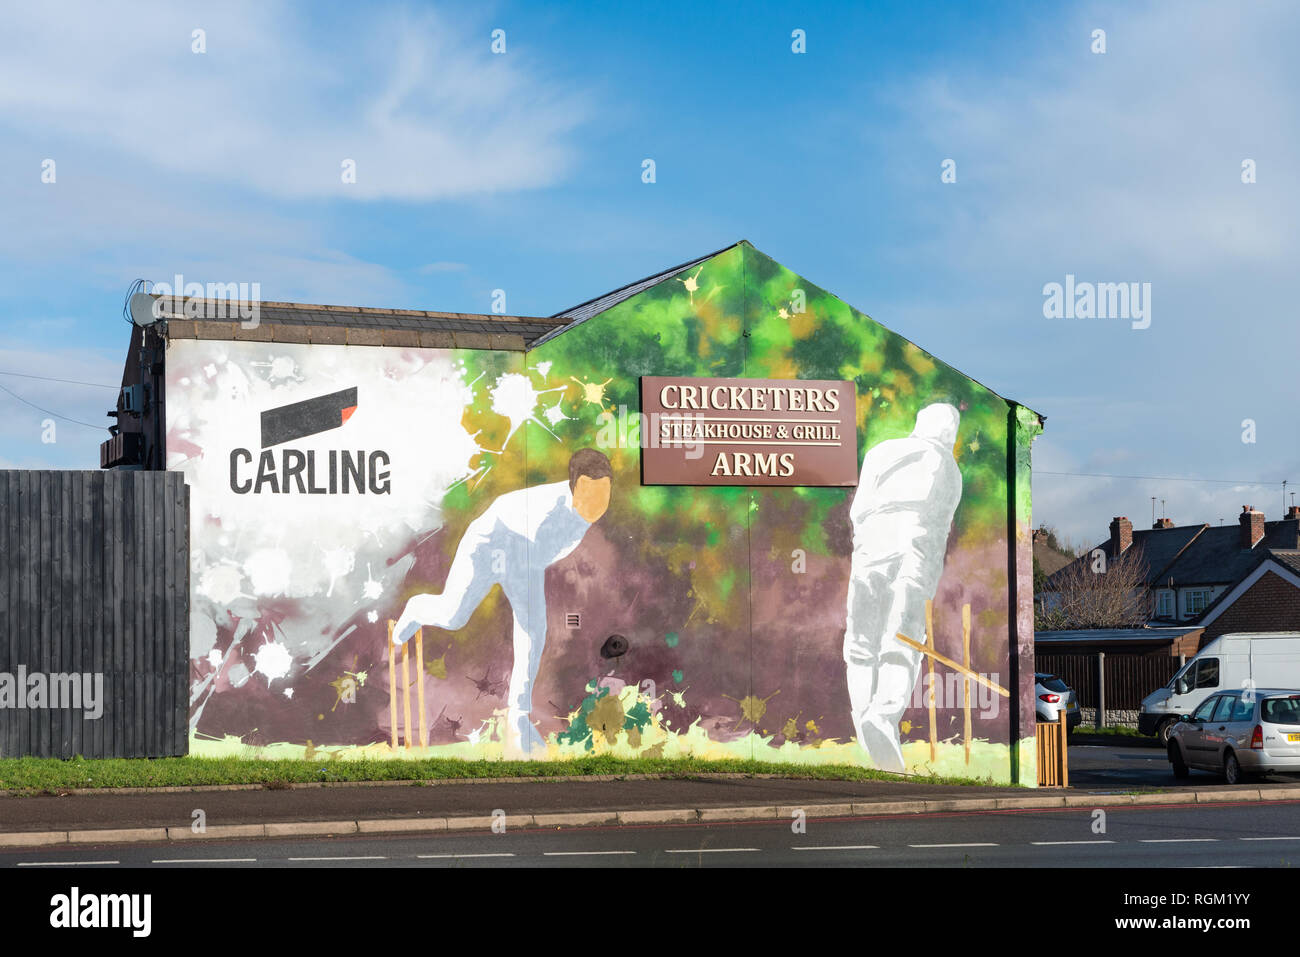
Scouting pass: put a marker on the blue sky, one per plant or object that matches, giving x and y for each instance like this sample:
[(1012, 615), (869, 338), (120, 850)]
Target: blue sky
[(522, 171)]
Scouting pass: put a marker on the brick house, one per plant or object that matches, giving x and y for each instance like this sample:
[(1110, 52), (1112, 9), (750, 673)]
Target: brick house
[(1195, 570)]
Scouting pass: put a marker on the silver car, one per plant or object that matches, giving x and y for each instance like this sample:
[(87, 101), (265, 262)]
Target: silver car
[(1239, 733), (1052, 695)]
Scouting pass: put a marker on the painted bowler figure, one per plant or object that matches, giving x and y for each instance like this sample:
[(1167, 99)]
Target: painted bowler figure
[(902, 512), (512, 544)]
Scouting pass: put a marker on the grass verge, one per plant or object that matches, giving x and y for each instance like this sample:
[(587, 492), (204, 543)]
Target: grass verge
[(38, 775), (1114, 730)]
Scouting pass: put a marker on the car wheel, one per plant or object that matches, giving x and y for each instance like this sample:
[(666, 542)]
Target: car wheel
[(1176, 759), (1166, 728), (1232, 769)]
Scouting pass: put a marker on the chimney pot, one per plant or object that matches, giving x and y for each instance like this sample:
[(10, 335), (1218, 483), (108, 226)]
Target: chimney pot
[(1163, 523)]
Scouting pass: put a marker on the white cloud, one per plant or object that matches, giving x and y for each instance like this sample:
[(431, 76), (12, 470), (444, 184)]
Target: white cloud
[(1121, 167), (421, 105)]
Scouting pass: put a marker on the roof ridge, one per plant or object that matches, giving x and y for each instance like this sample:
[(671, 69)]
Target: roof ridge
[(360, 310), (655, 275)]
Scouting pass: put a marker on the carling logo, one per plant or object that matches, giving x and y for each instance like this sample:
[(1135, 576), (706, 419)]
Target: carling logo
[(343, 471)]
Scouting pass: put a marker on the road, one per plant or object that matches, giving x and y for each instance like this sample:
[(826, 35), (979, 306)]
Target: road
[(1101, 766), (1232, 835)]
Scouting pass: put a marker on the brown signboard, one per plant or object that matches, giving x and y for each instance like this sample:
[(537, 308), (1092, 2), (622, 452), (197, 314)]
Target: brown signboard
[(748, 432)]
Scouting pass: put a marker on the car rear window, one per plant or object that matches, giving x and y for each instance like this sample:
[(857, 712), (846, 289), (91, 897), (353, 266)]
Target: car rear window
[(1053, 683), (1281, 710)]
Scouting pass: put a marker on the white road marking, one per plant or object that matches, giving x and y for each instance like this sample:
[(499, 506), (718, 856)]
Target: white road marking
[(372, 858), (952, 845), (712, 850), (444, 856), (1270, 839), (839, 847), (62, 863), (205, 860), (1063, 843), (1178, 840), (582, 853)]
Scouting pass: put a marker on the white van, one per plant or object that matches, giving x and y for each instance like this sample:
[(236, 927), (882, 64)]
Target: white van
[(1268, 659)]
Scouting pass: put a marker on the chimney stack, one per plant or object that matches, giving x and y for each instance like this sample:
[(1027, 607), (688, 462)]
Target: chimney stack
[(1293, 511), (1163, 523), (1121, 535), (1252, 526)]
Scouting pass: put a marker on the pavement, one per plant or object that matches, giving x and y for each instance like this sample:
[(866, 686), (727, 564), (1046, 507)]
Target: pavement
[(173, 815)]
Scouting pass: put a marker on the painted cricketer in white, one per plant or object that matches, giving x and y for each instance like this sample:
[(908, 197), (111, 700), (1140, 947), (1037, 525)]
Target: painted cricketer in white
[(903, 508), (511, 545)]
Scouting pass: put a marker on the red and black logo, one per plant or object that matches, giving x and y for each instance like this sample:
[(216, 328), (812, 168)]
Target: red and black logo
[(309, 417)]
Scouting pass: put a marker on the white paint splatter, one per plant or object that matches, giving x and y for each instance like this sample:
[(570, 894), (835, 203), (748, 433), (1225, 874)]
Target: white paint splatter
[(273, 660), (514, 397), (554, 414), (371, 589), (288, 692), (544, 367), (338, 563), (210, 370), (282, 367), (214, 658), (221, 583), (268, 571), (372, 616)]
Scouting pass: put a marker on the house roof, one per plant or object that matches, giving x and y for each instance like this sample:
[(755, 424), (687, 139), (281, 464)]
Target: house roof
[(580, 313), (1287, 559), (1217, 558), (359, 325), (1049, 559), (1191, 555)]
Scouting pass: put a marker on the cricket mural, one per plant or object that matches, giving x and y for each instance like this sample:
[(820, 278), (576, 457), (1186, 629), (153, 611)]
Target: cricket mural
[(484, 513)]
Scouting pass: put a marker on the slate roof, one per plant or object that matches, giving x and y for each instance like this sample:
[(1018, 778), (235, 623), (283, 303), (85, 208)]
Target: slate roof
[(1217, 558), (580, 313), (1289, 558), (1049, 559), (1204, 554), (307, 315)]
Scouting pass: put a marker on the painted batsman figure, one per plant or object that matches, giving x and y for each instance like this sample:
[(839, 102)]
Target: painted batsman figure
[(902, 510), (511, 545)]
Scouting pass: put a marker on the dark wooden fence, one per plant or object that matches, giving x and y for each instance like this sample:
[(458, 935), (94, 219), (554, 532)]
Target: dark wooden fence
[(1129, 677), (94, 581)]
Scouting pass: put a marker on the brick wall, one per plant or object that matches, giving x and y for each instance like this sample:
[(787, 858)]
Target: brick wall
[(1271, 604)]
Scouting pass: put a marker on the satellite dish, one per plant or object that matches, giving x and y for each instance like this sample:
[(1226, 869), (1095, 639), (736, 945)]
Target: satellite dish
[(142, 309)]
